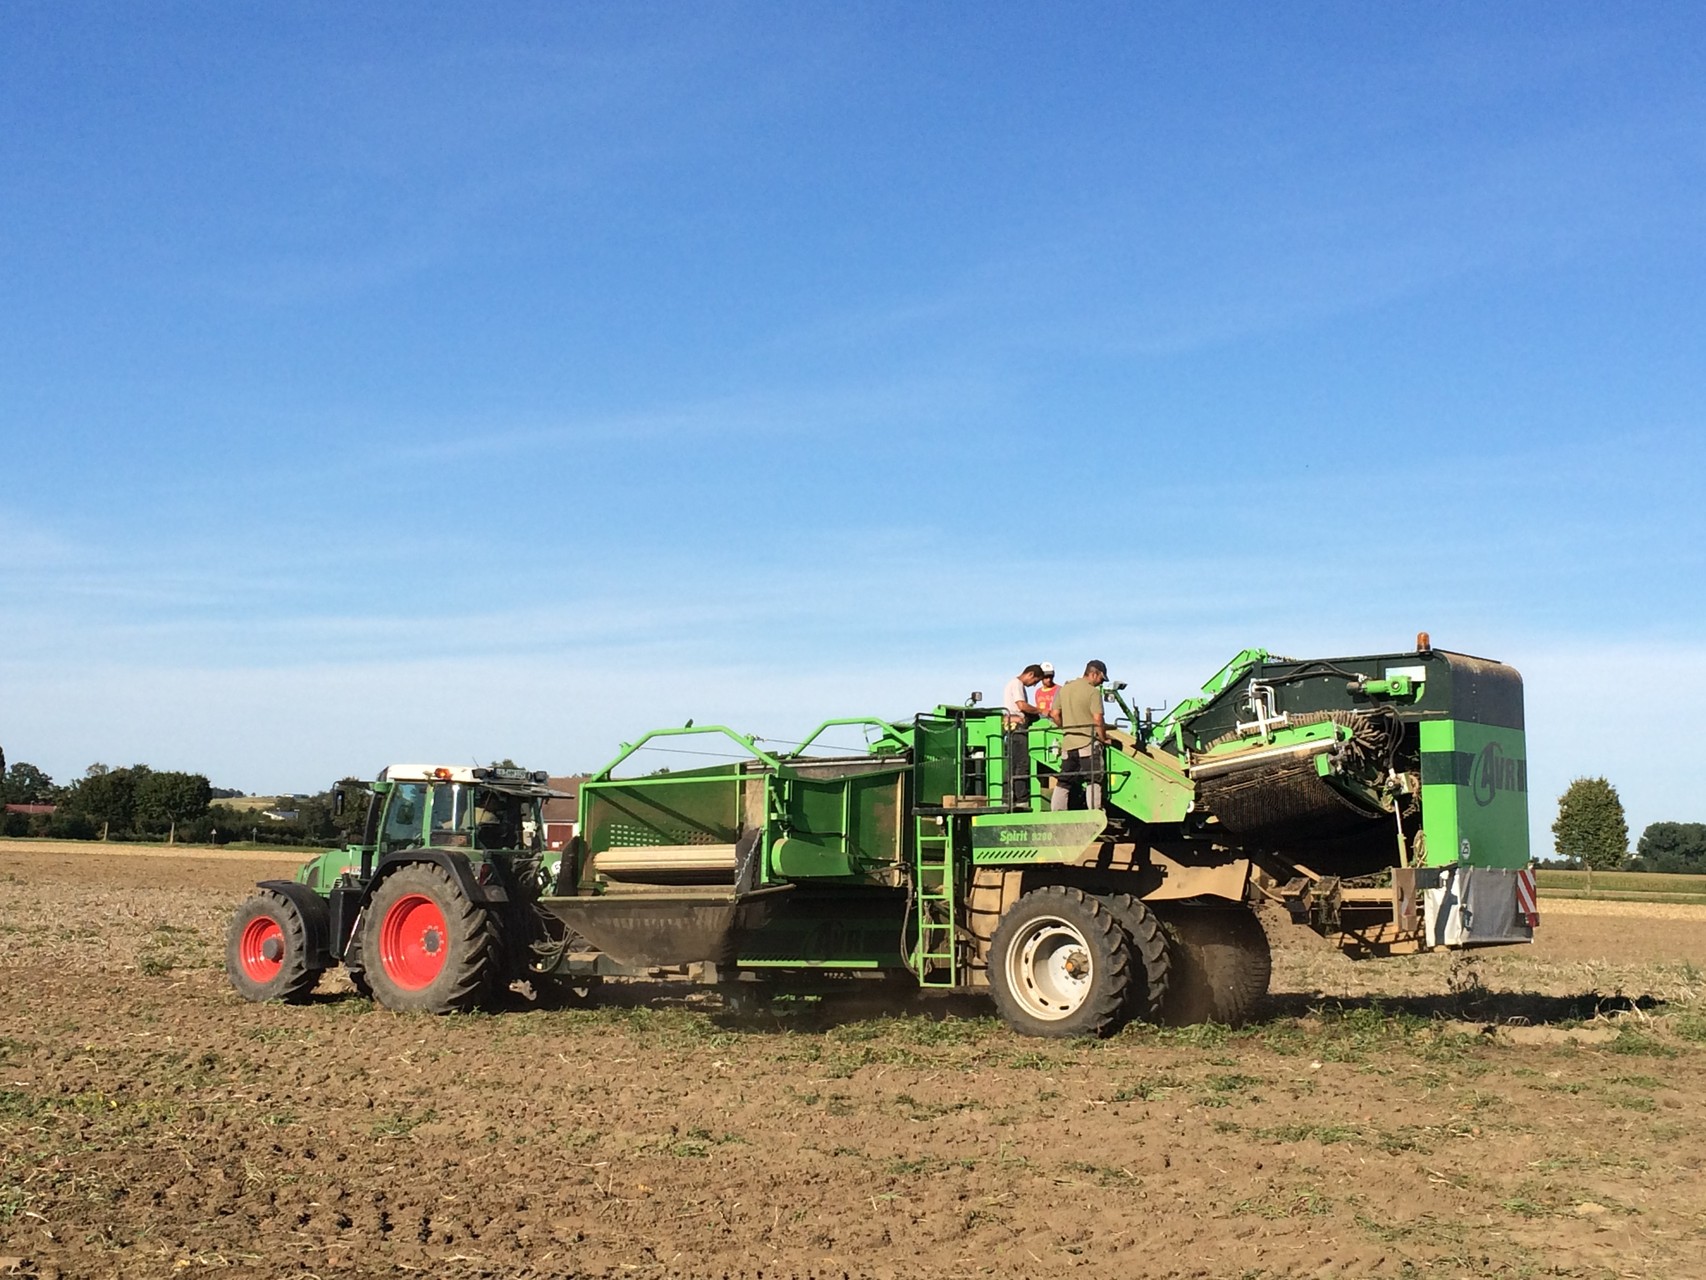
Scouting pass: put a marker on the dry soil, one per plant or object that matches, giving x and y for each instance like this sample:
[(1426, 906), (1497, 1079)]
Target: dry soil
[(1535, 1112)]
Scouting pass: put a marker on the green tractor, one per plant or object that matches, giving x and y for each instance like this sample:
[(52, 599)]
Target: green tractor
[(431, 910), (1378, 800)]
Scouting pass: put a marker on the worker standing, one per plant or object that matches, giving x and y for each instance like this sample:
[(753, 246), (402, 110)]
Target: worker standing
[(1078, 712), (1017, 713), (1046, 691), (1016, 706)]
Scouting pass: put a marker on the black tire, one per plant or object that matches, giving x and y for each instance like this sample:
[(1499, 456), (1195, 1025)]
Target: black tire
[(266, 950), (1151, 958), (425, 947), (1060, 965), (356, 971), (1221, 965)]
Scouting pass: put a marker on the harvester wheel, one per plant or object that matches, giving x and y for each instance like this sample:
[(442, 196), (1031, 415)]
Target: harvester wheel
[(1221, 965), (1060, 965), (425, 947), (1151, 959), (266, 950)]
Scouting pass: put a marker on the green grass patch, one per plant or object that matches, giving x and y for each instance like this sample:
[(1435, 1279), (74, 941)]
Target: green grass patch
[(1325, 1134), (1642, 1044), (1305, 1203), (1147, 1090), (1642, 883)]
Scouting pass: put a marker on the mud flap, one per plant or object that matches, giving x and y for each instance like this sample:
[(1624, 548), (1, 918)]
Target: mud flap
[(1476, 906)]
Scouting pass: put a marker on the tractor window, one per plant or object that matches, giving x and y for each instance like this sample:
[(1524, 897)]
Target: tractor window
[(403, 816), (452, 816), (497, 821)]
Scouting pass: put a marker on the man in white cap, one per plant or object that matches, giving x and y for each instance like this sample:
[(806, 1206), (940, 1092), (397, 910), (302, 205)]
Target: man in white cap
[(1044, 695)]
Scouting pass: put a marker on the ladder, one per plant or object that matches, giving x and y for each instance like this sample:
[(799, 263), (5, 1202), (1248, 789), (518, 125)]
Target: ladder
[(935, 889)]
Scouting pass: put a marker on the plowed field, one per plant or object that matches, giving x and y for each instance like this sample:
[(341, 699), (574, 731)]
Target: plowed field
[(1377, 1124)]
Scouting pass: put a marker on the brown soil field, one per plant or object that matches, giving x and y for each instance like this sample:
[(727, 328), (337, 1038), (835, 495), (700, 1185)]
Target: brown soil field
[(1532, 1112)]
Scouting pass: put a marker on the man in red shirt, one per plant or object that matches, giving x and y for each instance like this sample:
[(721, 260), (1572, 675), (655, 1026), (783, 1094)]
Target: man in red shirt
[(1044, 696)]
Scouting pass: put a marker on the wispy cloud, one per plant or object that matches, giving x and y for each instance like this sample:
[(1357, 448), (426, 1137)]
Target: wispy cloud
[(889, 407)]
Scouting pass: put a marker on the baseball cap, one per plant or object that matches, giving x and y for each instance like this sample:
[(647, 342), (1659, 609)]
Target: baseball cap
[(1098, 664), (1048, 668)]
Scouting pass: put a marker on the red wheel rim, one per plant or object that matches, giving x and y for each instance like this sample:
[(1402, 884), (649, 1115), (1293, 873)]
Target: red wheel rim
[(261, 949), (413, 941)]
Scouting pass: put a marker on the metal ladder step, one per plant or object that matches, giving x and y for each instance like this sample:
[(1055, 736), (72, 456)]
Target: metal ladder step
[(935, 890)]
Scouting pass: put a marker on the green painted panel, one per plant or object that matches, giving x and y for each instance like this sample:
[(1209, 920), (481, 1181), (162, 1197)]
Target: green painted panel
[(854, 929), (1149, 791), (878, 808), (800, 857), (1001, 838), (1474, 790)]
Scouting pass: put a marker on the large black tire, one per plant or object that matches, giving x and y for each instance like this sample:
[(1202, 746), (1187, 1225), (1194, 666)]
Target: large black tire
[(1221, 965), (1151, 958), (356, 971), (266, 950), (425, 947), (1060, 965)]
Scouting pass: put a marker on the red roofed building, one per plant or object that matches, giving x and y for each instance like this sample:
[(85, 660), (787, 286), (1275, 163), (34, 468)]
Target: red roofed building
[(561, 815)]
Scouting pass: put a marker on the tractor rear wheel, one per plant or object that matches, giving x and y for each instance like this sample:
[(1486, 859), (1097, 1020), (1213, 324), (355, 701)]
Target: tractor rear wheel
[(1060, 965), (1152, 961), (1221, 965), (425, 947), (266, 950)]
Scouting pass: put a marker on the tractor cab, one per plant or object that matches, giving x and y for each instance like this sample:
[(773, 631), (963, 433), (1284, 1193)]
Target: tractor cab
[(495, 810)]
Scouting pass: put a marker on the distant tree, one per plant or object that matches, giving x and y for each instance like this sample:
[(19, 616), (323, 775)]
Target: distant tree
[(167, 798), (108, 797), (350, 824), (220, 824), (25, 784), (1678, 848), (314, 819), (1591, 829)]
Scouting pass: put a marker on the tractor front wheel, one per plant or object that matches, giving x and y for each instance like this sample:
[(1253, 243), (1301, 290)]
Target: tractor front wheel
[(1060, 965), (425, 947), (266, 950)]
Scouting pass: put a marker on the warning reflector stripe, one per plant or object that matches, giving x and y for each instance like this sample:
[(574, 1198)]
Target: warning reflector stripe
[(1526, 904)]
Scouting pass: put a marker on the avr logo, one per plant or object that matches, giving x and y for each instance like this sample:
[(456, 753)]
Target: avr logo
[(1495, 772)]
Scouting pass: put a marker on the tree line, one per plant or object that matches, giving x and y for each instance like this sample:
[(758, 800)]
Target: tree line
[(1592, 833), (142, 803)]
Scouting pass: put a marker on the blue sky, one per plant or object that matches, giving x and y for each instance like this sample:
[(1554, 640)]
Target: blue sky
[(402, 382)]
